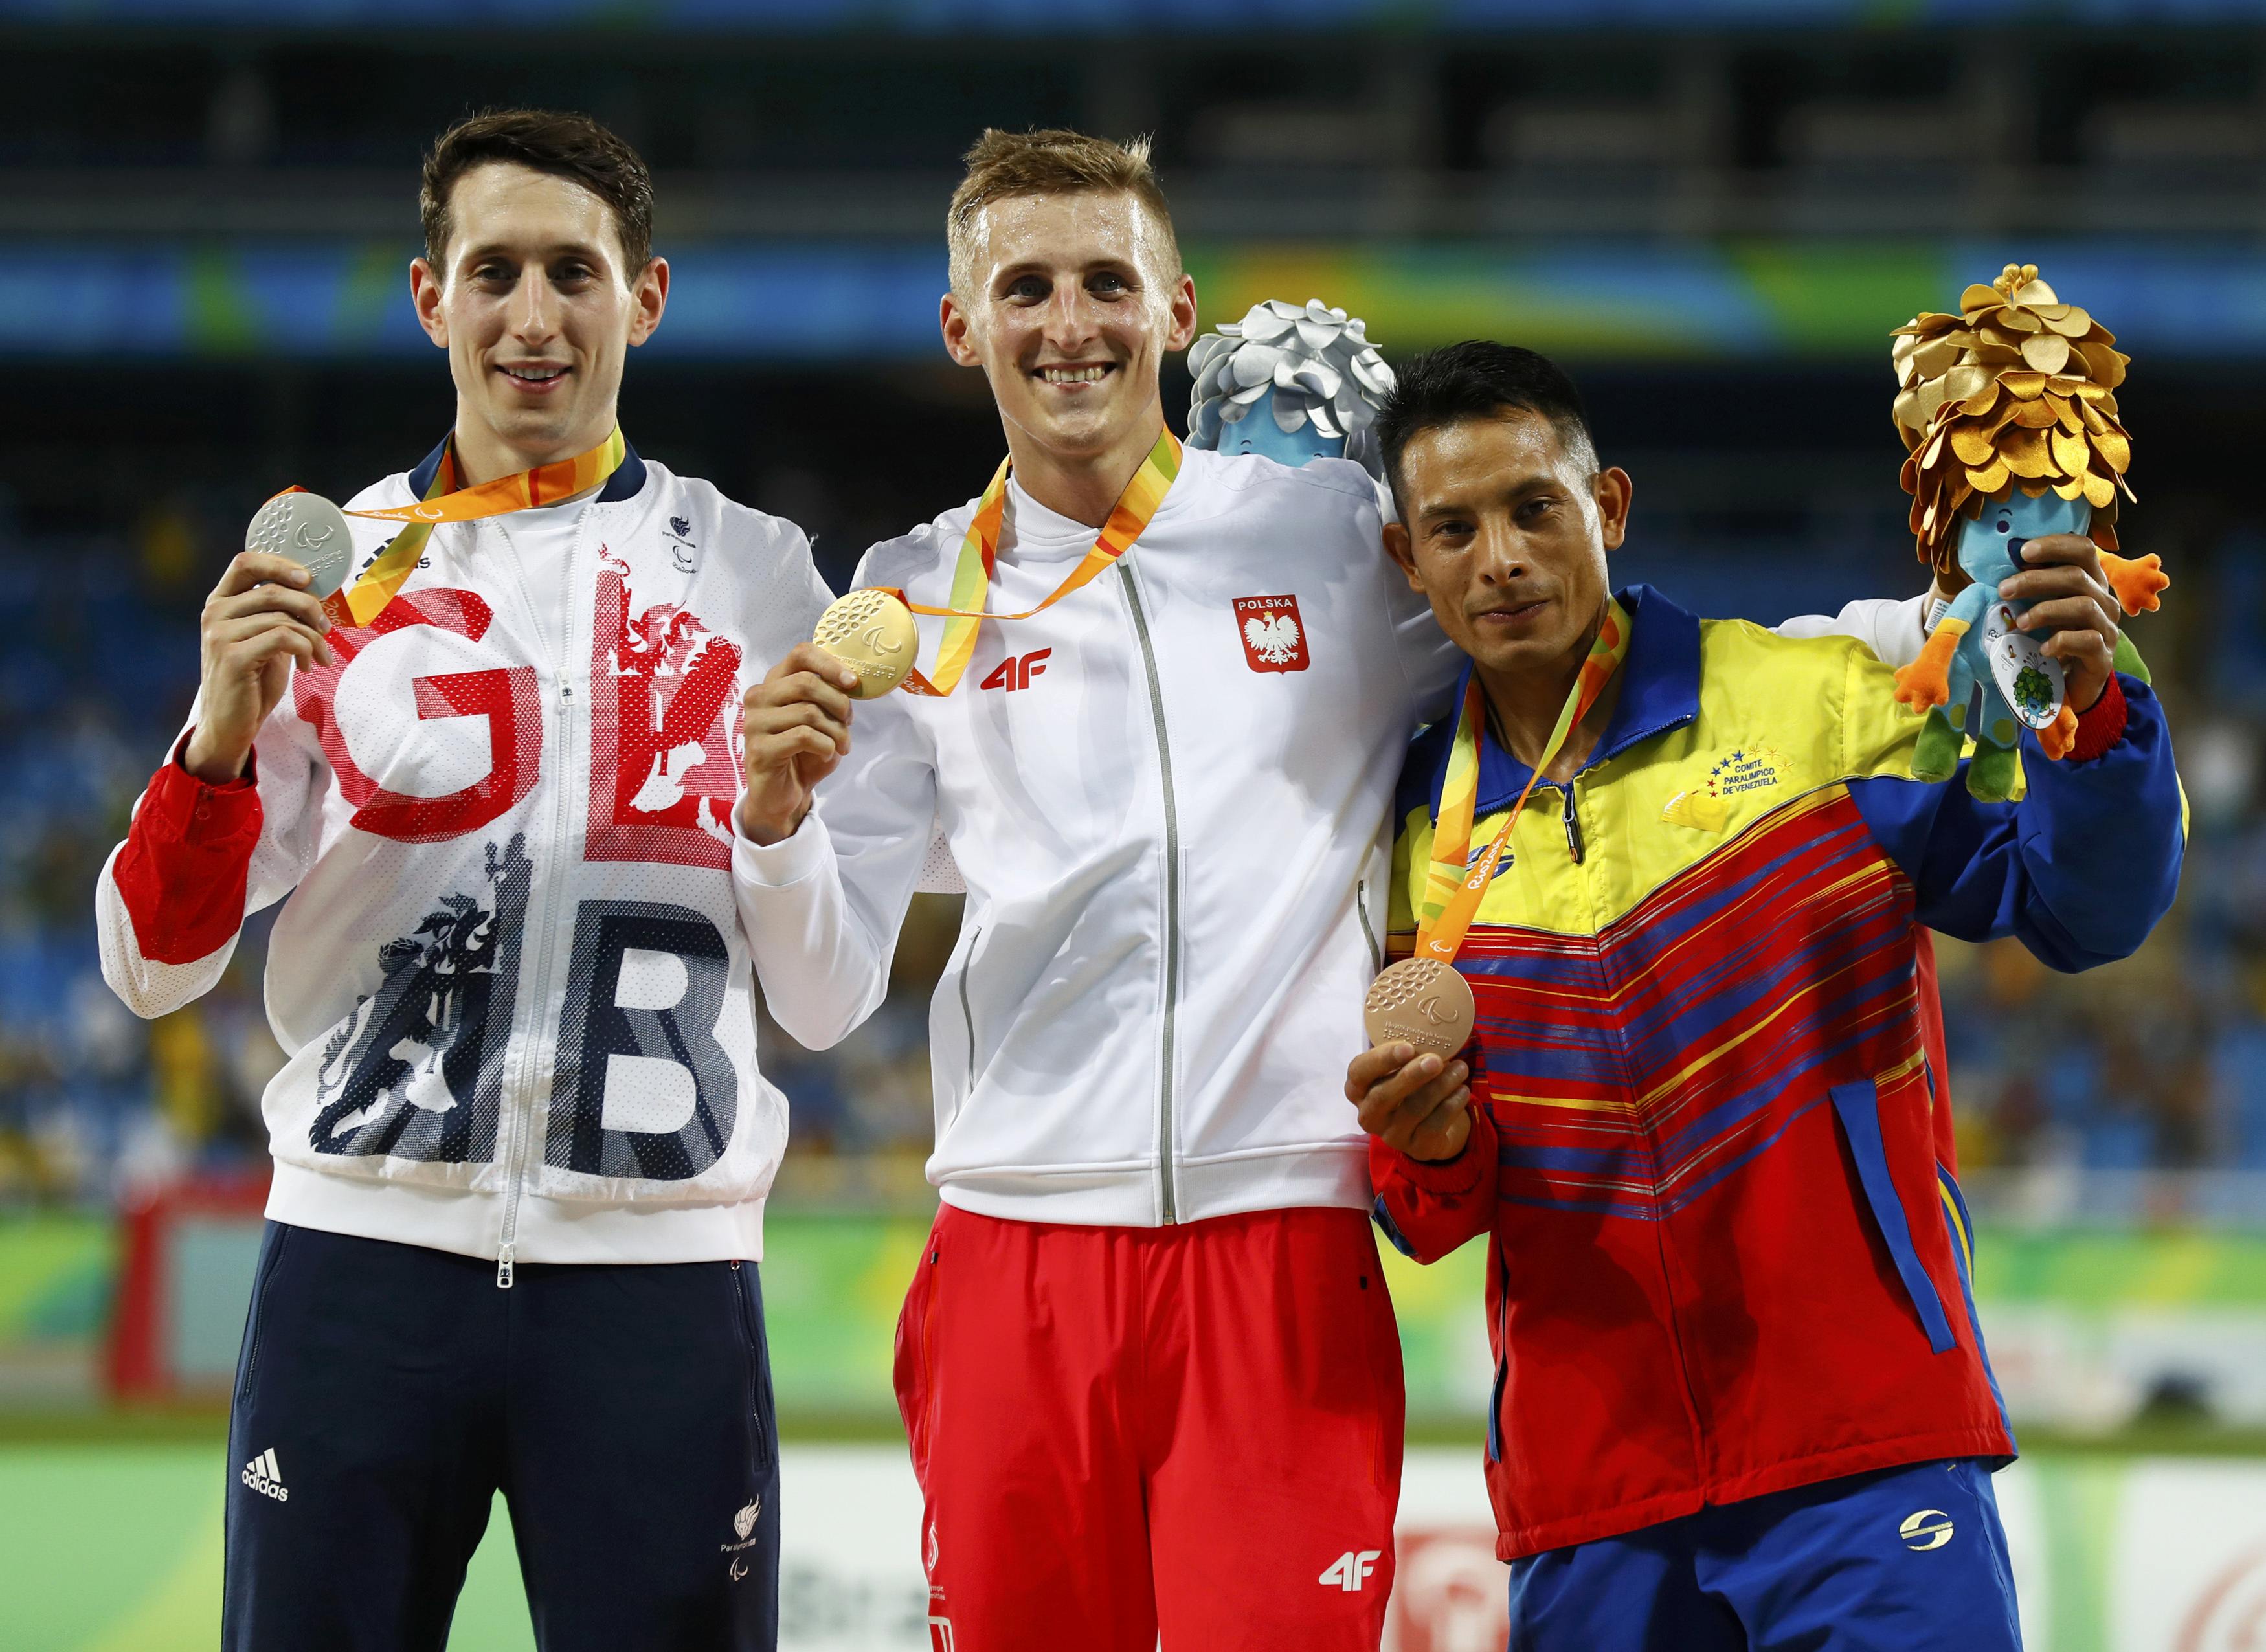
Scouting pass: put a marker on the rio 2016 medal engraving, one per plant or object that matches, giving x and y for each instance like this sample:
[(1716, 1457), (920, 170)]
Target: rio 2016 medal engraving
[(873, 634), (1423, 1002), (310, 530)]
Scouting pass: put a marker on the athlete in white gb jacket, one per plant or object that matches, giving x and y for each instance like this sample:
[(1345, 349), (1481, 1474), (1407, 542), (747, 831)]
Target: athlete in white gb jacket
[(1148, 1325), (512, 978), (512, 967)]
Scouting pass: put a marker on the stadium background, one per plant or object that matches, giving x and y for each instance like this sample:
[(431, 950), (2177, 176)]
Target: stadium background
[(1713, 210)]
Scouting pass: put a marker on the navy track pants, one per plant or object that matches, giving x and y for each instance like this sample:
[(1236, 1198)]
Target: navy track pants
[(386, 1393), (1899, 1560)]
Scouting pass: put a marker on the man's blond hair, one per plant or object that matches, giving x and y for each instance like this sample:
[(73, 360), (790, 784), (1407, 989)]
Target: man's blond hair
[(1055, 161)]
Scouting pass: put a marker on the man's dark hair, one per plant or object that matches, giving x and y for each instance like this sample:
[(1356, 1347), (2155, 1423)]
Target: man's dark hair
[(570, 146), (1480, 379)]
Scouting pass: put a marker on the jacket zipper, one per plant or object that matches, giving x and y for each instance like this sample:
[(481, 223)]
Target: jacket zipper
[(515, 1155), (967, 1014), (1660, 1227), (1169, 1198), (1495, 1429), (1369, 934)]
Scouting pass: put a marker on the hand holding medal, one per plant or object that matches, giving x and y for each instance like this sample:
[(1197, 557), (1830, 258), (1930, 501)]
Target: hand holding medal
[(1422, 1004), (795, 724), (265, 616), (872, 632), (291, 584)]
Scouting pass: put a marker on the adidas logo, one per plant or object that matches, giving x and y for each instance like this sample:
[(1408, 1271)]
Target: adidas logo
[(262, 1474)]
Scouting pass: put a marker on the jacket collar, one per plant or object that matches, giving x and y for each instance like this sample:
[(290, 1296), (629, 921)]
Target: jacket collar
[(1660, 689), (626, 482)]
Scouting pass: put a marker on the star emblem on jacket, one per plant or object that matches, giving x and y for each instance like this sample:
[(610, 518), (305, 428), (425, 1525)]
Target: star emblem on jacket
[(1747, 769)]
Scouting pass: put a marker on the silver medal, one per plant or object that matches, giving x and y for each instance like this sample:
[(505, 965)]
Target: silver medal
[(310, 530)]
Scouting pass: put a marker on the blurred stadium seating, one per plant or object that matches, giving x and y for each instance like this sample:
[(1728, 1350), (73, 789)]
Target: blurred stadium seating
[(1713, 210)]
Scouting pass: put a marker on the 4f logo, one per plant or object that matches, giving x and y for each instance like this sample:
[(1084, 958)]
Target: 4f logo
[(1016, 671), (1351, 1570)]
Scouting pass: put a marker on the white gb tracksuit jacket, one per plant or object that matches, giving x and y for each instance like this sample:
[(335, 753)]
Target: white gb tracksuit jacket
[(512, 975)]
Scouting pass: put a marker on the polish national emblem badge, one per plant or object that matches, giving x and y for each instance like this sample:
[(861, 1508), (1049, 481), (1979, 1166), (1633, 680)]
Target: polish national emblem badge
[(1272, 638)]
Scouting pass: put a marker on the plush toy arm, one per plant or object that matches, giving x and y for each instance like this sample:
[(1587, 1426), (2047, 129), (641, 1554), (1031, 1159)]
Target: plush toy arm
[(2058, 737), (1925, 682), (2136, 580)]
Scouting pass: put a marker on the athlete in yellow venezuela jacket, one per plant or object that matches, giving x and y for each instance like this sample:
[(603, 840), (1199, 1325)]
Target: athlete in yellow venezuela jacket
[(1729, 1257)]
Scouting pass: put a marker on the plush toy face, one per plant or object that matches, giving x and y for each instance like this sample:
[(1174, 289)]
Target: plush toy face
[(1256, 432), (1991, 547)]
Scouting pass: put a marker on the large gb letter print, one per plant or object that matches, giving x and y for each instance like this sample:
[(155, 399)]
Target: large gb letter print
[(425, 752), (643, 1088)]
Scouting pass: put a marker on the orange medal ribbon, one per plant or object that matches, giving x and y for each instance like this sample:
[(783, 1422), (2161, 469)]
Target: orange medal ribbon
[(365, 598), (979, 550), (1453, 884)]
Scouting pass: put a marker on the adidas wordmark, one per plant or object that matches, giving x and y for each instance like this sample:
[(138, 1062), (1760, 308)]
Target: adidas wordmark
[(264, 1476)]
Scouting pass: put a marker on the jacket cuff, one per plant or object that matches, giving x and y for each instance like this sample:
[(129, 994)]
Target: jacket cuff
[(195, 812), (789, 861), (182, 872), (2104, 726), (1450, 1177)]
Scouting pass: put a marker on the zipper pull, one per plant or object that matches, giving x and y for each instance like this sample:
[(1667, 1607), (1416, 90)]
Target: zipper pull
[(1573, 827), (503, 1268)]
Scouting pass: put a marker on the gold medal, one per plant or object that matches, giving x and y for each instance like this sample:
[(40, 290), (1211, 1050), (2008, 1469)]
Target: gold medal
[(873, 634), (310, 530), (1423, 1002)]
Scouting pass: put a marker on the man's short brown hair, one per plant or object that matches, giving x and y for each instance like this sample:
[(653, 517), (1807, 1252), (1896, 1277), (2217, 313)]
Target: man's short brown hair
[(1052, 162), (570, 146)]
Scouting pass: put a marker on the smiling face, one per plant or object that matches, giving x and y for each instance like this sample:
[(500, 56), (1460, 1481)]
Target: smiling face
[(537, 311), (1069, 303), (1507, 534)]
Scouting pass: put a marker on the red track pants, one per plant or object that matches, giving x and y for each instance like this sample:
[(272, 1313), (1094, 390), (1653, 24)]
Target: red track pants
[(1120, 1432)]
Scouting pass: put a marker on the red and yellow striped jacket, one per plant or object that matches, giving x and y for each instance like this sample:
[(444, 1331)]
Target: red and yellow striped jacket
[(1711, 1141)]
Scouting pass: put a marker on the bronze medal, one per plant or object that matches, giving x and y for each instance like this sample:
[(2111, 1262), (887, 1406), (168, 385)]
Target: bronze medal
[(1423, 1002), (873, 634)]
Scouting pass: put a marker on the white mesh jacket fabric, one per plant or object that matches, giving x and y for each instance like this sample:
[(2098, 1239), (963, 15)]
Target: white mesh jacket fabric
[(512, 964)]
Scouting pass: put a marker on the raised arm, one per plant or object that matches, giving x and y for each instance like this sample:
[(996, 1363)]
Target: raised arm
[(227, 823), (2080, 869), (824, 872)]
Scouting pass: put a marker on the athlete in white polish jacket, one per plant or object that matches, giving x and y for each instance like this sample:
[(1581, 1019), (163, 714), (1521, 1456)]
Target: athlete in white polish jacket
[(511, 976), (1168, 797)]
